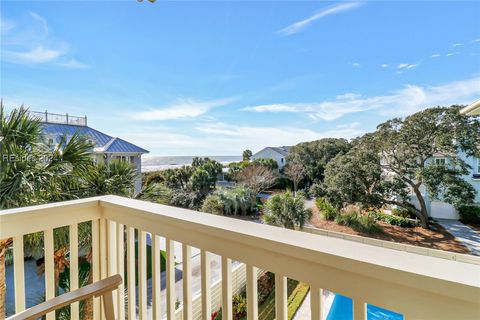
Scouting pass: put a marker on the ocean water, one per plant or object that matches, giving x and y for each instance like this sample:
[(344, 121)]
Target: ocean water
[(161, 163)]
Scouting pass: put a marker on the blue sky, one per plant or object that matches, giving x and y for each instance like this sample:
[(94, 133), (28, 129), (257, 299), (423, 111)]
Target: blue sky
[(214, 78)]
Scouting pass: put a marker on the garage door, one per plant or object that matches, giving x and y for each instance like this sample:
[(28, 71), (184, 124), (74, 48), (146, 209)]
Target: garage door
[(443, 210)]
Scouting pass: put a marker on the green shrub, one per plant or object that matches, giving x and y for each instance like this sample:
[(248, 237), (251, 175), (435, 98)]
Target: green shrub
[(328, 211), (367, 224), (266, 283), (353, 218), (391, 219), (185, 199), (213, 204), (348, 218), (239, 306), (401, 212), (286, 211), (302, 194), (316, 190), (237, 201), (469, 214)]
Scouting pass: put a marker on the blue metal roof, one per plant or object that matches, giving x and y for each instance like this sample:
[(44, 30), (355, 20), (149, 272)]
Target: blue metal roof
[(122, 146), (99, 139)]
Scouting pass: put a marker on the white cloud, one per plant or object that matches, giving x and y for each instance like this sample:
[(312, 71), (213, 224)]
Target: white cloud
[(407, 66), (457, 45), (164, 140), (182, 109), (476, 40), (206, 137), (451, 54), (280, 107), (298, 26), (403, 101), (435, 55), (40, 20), (28, 42), (356, 65), (36, 55), (384, 65), (6, 25), (234, 137), (74, 64)]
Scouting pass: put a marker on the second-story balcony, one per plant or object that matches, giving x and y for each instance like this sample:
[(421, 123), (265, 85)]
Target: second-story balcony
[(413, 285)]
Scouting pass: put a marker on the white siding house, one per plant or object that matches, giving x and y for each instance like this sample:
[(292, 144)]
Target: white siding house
[(440, 209), (279, 154)]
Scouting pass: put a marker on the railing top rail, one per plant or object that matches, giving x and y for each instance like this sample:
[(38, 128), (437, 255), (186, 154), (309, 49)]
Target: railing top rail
[(314, 259), (320, 249), (92, 201)]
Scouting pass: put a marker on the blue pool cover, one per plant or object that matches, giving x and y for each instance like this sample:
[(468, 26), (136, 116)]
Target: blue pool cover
[(342, 309)]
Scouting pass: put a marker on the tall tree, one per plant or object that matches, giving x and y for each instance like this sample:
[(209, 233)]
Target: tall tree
[(247, 155), (407, 146), (257, 178), (295, 171), (356, 177), (315, 155)]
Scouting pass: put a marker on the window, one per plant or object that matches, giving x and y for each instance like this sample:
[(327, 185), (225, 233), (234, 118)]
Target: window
[(440, 161), (281, 160), (478, 165)]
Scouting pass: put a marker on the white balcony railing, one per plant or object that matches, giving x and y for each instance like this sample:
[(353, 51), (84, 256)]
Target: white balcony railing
[(416, 286)]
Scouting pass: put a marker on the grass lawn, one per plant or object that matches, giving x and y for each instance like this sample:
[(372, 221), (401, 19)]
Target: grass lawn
[(296, 294)]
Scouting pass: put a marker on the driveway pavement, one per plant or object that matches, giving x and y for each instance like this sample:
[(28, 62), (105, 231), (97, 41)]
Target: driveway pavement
[(463, 233)]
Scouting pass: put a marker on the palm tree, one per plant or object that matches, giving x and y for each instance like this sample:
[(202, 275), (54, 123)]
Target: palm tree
[(35, 172), (287, 211), (4, 244), (32, 172)]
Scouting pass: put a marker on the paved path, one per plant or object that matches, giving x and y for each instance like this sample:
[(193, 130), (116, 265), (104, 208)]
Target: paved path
[(304, 312), (309, 203), (469, 237)]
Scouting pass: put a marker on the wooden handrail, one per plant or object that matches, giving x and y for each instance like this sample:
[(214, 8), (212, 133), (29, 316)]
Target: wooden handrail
[(102, 288)]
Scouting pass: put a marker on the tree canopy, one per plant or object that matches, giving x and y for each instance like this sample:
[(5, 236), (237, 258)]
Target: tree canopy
[(387, 166), (355, 177), (315, 155), (247, 154)]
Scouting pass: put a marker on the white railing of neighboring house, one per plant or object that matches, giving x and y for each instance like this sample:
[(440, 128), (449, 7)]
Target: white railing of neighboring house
[(49, 117), (417, 286)]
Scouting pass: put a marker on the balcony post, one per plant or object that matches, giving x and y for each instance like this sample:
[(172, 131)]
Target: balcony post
[(281, 308), (252, 295), (359, 310), (316, 296)]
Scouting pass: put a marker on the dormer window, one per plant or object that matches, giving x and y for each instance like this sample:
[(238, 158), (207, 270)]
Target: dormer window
[(440, 161)]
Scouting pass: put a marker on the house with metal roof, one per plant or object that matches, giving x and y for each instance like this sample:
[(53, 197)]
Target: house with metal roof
[(279, 154), (106, 148)]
